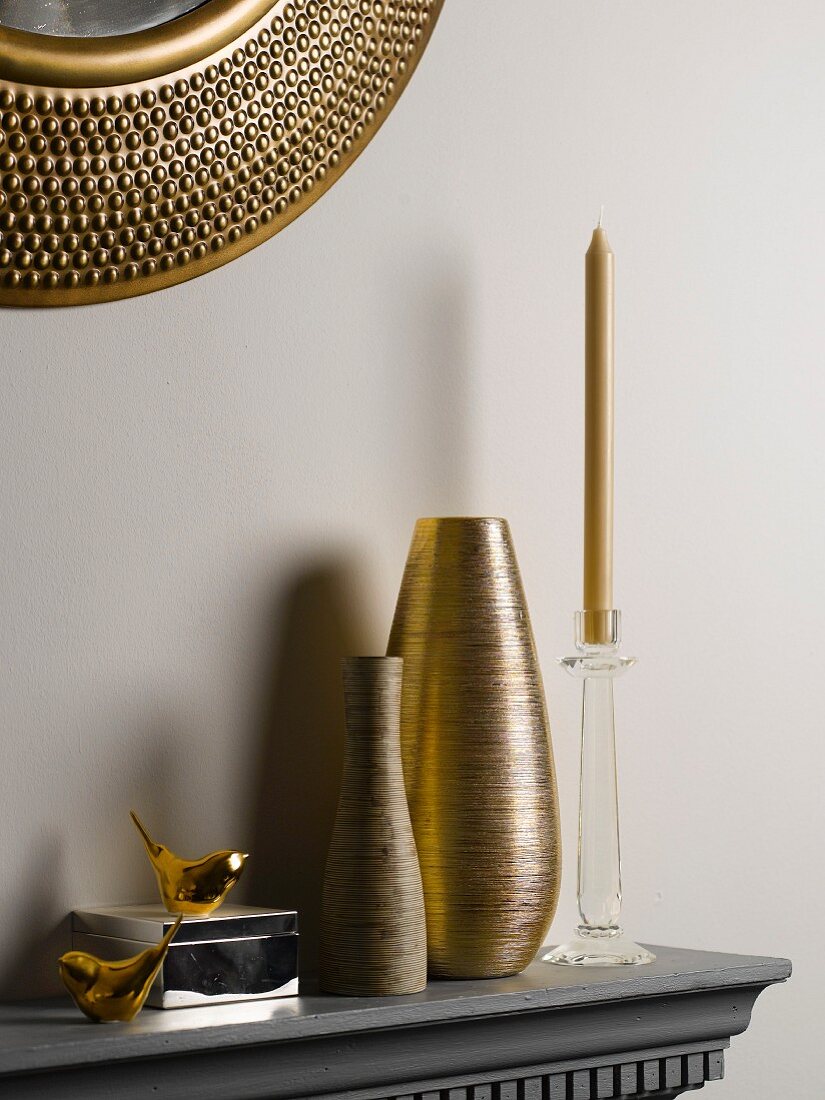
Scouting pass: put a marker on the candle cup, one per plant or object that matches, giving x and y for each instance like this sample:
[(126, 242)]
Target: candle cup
[(598, 940)]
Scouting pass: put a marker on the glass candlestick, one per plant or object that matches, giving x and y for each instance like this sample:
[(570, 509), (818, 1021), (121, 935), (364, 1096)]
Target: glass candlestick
[(599, 939)]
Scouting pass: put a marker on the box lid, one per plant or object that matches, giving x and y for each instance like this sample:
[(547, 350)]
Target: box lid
[(149, 923)]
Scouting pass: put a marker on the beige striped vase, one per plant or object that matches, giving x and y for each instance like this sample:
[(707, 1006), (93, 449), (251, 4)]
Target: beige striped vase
[(373, 929)]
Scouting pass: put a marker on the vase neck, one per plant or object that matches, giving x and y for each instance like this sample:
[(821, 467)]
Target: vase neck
[(372, 696)]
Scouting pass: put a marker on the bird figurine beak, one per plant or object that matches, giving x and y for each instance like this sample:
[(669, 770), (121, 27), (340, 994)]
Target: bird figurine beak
[(107, 991), (195, 887)]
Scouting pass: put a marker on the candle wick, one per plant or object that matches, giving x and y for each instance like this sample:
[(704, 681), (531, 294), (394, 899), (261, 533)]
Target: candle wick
[(601, 216)]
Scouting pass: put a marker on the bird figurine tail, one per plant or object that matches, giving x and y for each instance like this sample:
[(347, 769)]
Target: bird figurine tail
[(152, 848), (160, 949)]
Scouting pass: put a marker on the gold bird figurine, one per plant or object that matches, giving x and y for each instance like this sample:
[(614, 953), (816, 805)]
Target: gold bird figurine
[(192, 886), (113, 990)]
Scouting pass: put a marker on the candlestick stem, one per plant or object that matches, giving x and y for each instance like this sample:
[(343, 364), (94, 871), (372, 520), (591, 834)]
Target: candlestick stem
[(599, 939), (599, 871)]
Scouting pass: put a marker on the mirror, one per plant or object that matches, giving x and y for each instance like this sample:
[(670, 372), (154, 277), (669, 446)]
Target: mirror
[(90, 18)]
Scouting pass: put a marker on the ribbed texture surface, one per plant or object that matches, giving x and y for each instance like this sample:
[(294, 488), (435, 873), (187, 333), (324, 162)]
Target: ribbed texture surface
[(373, 932), (476, 750)]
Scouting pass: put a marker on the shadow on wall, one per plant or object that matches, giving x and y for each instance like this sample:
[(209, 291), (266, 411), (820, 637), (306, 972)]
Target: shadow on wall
[(300, 736), (42, 933)]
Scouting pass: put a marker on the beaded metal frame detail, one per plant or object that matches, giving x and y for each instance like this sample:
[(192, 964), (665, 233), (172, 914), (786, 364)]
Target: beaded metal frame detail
[(113, 191)]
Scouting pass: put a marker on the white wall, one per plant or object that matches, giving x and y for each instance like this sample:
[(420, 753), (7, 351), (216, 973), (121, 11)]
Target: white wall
[(207, 494)]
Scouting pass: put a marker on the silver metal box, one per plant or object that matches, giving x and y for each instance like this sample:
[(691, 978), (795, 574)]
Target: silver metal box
[(240, 953)]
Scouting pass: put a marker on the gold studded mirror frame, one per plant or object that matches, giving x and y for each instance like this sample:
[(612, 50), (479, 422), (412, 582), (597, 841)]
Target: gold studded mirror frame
[(131, 163)]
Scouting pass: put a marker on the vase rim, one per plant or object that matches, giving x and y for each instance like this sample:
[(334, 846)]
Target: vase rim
[(461, 519)]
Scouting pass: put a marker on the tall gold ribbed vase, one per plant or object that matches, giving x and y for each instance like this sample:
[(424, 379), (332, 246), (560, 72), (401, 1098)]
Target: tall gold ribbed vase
[(475, 741)]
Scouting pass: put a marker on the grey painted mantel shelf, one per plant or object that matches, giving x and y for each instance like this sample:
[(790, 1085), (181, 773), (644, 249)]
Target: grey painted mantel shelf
[(549, 1034)]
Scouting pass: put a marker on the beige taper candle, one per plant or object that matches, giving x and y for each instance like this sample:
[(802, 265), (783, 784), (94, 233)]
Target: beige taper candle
[(598, 434)]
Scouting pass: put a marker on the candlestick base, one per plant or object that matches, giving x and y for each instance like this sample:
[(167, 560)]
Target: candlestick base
[(598, 940), (599, 947)]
